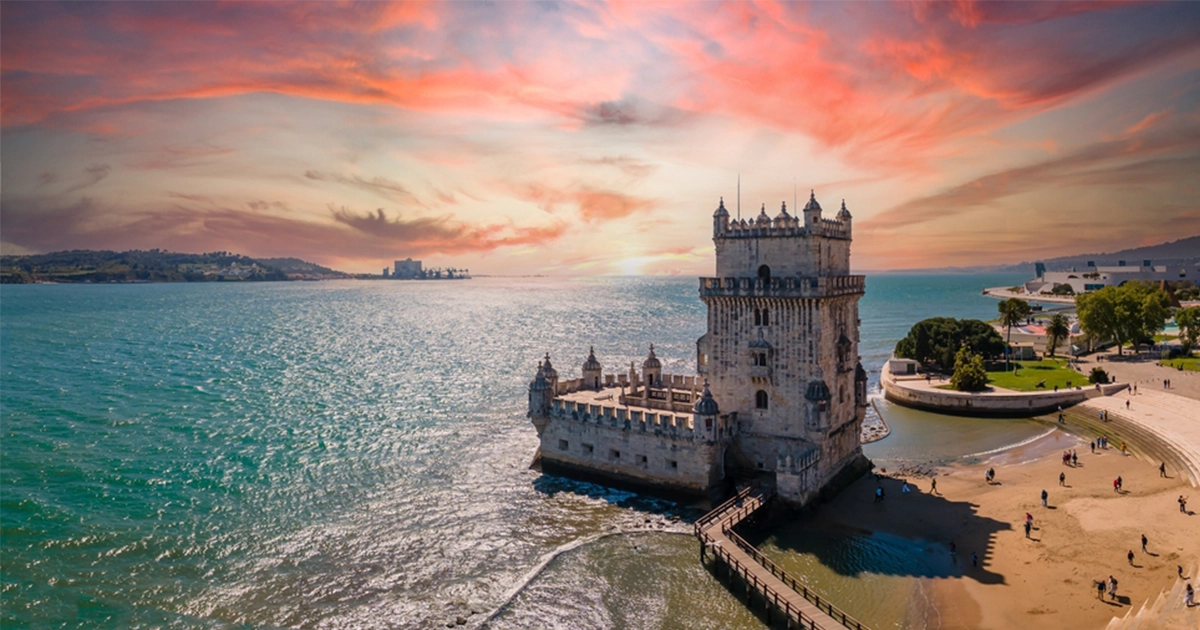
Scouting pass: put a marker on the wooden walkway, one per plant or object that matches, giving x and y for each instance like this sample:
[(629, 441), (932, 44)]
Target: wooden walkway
[(801, 607)]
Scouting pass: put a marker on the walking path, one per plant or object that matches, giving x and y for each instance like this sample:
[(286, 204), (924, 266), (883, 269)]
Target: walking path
[(798, 603), (1173, 419)]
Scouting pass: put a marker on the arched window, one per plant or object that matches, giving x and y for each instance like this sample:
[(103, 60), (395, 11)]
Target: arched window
[(758, 317), (764, 272), (766, 317), (762, 358), (760, 399)]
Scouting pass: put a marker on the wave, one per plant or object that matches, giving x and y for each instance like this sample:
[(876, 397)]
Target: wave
[(1006, 447)]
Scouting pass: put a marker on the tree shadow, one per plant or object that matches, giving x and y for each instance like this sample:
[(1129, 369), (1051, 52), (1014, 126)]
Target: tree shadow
[(852, 536)]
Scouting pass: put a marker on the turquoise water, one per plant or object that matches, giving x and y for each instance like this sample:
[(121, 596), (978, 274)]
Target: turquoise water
[(338, 454)]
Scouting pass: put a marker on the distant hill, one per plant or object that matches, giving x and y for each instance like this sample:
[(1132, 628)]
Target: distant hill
[(295, 266), (134, 266), (1185, 250)]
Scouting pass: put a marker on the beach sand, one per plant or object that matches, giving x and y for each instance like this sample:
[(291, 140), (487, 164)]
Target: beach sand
[(1047, 580)]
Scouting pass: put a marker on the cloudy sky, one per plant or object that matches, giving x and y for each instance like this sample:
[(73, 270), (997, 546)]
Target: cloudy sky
[(596, 137)]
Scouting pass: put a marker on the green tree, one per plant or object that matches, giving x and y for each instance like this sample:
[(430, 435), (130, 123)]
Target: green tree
[(1188, 320), (1130, 313), (936, 340), (1013, 311), (969, 374), (1057, 330)]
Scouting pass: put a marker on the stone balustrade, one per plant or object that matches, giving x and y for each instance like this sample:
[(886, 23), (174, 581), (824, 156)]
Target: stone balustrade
[(783, 287)]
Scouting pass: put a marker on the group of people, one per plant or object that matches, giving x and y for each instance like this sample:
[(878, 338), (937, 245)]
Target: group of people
[(1118, 483), (1110, 584), (1070, 458)]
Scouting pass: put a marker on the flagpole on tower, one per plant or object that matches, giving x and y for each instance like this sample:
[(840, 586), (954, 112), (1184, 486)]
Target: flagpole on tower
[(739, 201)]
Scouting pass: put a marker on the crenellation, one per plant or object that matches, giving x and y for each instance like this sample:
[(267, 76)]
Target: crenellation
[(779, 384)]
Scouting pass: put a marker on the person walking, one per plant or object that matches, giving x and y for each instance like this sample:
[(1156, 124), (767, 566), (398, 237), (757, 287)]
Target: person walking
[(1100, 589), (1162, 469), (1183, 504), (1130, 556), (933, 486), (1093, 447), (1120, 483), (1189, 596), (1116, 486), (1112, 587), (1074, 459), (1062, 479), (1045, 495), (1028, 527), (1144, 541)]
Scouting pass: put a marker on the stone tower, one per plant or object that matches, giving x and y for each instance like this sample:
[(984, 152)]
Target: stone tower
[(781, 349)]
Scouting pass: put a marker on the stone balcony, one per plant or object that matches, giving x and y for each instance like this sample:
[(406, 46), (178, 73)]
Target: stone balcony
[(788, 287)]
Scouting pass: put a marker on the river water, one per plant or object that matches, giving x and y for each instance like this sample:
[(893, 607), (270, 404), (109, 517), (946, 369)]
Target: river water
[(355, 454)]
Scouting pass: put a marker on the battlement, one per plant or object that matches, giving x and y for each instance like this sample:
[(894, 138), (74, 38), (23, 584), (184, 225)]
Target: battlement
[(626, 418), (783, 227), (789, 287)]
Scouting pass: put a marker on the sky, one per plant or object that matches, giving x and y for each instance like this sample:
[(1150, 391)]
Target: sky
[(596, 138)]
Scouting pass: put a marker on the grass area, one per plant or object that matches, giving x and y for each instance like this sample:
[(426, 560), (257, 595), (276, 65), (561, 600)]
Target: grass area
[(1161, 337), (1191, 363), (1029, 373)]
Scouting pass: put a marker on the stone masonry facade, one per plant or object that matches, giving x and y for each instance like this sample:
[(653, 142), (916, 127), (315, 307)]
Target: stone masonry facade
[(780, 392)]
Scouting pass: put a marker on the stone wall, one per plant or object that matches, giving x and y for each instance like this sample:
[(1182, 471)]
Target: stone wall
[(1014, 405), (664, 456)]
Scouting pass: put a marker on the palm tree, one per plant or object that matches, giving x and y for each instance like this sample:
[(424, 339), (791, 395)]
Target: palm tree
[(1013, 311), (1056, 330)]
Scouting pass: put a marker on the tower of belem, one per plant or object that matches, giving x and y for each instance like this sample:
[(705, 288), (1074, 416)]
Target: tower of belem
[(780, 393)]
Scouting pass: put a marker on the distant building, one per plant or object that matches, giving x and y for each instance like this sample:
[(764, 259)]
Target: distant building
[(1092, 277), (409, 268), (385, 272)]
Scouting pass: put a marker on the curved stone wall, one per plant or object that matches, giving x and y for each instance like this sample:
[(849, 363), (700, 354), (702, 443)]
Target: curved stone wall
[(991, 404)]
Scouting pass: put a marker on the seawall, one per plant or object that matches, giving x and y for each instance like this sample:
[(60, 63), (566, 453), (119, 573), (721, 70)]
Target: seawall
[(917, 394)]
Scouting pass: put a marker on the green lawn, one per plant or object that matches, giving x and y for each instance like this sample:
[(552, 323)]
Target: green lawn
[(1191, 363), (1030, 373)]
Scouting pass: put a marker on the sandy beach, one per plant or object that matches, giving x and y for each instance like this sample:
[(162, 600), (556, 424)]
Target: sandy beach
[(1083, 535)]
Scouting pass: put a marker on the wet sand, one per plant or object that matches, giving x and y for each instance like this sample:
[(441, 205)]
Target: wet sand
[(1048, 579)]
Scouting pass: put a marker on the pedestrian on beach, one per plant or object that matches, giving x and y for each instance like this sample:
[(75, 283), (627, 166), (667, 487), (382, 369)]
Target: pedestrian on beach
[(1183, 504), (1130, 556), (1135, 389), (933, 486), (1189, 596), (1100, 589), (1144, 541), (1045, 495), (1093, 447), (1028, 526), (1120, 484), (1112, 587), (1127, 404), (1074, 458), (904, 488), (1116, 486), (879, 494), (1062, 479), (1162, 469)]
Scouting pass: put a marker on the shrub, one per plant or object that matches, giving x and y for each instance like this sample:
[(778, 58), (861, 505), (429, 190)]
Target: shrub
[(969, 374), (1098, 375)]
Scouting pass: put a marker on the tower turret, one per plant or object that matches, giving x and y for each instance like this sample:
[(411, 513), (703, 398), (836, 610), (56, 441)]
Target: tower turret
[(652, 368), (843, 215), (540, 396), (705, 413), (812, 211), (592, 370), (720, 219)]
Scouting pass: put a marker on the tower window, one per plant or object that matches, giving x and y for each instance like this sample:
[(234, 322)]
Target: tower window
[(762, 358), (758, 319), (760, 399), (766, 317), (764, 272)]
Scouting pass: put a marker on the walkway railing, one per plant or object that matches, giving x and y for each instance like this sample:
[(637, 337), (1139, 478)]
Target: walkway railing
[(717, 526)]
